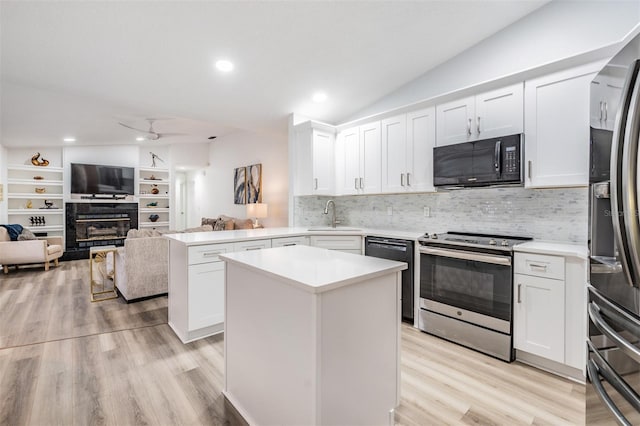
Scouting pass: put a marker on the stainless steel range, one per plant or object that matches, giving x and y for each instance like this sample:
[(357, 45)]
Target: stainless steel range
[(466, 290)]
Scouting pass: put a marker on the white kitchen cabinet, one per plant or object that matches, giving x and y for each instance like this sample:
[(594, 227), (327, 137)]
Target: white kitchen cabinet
[(557, 128), (314, 159), (358, 160), (251, 245), (539, 316), (196, 289), (345, 243), (549, 319), (407, 151), (290, 241), (606, 91), (486, 115)]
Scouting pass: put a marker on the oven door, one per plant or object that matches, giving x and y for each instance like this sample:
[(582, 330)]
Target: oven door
[(466, 285)]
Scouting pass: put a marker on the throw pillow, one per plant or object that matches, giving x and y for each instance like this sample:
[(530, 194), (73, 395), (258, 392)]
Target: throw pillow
[(26, 235), (209, 221), (244, 224), (219, 225)]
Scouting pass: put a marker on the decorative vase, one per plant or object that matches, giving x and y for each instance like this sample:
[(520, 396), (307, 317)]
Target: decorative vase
[(41, 190), (155, 190), (154, 217)]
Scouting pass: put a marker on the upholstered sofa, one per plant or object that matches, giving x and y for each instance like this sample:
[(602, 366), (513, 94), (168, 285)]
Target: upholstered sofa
[(142, 265), (41, 250)]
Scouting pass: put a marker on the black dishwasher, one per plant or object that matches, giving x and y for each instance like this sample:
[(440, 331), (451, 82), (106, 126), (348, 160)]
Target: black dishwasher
[(402, 251)]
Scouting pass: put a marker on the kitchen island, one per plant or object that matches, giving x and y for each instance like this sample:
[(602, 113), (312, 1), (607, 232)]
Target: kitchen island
[(312, 336)]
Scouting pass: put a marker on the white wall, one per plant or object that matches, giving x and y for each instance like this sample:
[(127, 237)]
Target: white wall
[(3, 181), (190, 155), (243, 149), (558, 30)]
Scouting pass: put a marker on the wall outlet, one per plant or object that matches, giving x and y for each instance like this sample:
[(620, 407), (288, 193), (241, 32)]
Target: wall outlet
[(389, 211), (427, 212)]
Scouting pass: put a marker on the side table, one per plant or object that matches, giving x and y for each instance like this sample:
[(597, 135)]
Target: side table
[(102, 267)]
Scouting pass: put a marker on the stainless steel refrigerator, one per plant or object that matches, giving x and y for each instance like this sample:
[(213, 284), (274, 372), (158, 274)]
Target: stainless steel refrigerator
[(613, 345)]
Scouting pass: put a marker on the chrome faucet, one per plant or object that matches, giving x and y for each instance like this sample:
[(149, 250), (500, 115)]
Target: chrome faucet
[(333, 211)]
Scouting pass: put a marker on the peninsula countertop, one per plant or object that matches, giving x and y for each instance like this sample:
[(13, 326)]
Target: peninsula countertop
[(314, 269), (214, 237)]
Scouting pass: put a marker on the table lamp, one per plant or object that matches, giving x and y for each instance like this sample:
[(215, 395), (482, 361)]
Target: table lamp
[(257, 211)]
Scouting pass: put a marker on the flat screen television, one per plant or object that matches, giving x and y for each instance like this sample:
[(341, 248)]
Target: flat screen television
[(97, 179)]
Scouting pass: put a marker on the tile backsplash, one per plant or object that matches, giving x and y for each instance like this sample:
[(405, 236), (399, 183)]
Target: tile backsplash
[(550, 214)]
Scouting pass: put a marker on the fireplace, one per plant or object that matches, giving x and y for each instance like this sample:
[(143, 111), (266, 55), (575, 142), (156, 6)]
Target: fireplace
[(97, 224)]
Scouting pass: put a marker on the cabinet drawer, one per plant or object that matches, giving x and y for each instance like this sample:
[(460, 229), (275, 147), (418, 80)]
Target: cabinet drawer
[(334, 242), (208, 253), (251, 245), (290, 241), (539, 265)]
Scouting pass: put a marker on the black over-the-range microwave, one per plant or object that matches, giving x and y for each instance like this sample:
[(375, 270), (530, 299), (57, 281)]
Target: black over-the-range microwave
[(496, 161)]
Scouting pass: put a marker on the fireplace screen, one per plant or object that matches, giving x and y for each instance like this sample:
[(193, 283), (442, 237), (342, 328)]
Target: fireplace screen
[(102, 228)]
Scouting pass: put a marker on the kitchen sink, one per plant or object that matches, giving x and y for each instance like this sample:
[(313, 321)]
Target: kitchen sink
[(336, 229)]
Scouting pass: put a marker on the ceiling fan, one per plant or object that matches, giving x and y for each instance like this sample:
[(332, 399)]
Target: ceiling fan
[(150, 134)]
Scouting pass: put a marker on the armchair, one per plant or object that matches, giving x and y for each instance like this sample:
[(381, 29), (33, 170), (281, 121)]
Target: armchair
[(43, 250)]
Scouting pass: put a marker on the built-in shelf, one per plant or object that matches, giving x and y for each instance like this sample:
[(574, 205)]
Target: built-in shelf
[(153, 224), (154, 210), (35, 211), (45, 196), (45, 228), (24, 167), (35, 182), (161, 181), (151, 196)]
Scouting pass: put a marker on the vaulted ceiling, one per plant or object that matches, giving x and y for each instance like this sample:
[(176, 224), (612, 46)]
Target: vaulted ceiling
[(77, 68)]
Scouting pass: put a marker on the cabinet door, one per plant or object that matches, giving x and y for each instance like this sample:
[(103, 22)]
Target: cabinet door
[(206, 295), (303, 154), (349, 173), (499, 112), (557, 129), (539, 321), (394, 154), (369, 182), (323, 159), (421, 138), (455, 121)]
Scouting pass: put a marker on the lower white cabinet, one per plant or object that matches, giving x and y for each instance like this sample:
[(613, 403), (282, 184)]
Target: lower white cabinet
[(346, 243), (549, 315), (251, 245), (290, 241), (196, 289), (539, 316)]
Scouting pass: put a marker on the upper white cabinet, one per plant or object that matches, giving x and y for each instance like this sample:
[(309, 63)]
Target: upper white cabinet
[(606, 91), (557, 128), (407, 151), (486, 115), (358, 160), (314, 159)]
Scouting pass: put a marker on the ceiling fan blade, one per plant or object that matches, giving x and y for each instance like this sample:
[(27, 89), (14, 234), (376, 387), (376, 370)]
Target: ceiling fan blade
[(132, 128), (163, 134)]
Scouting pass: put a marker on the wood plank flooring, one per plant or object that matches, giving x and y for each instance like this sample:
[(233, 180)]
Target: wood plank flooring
[(67, 361)]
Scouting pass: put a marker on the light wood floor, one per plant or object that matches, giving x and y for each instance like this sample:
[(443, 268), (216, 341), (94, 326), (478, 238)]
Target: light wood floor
[(64, 360)]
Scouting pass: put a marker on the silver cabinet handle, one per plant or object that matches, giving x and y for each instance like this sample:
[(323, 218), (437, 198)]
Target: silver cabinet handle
[(361, 183), (478, 124), (253, 248), (529, 167), (601, 109), (408, 179), (469, 127), (289, 244), (401, 179), (519, 299), (535, 265), (606, 111), (211, 253), (355, 183), (315, 183)]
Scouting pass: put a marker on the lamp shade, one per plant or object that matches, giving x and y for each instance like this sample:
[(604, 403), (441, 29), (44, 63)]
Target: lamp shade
[(257, 210)]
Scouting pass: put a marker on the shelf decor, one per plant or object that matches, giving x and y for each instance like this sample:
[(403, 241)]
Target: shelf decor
[(36, 162)]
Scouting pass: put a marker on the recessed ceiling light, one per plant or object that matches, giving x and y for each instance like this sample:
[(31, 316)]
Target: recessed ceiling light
[(212, 137), (319, 97), (224, 65), (139, 138), (69, 140)]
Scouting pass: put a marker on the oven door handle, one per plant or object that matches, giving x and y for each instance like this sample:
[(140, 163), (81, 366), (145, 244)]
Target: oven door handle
[(467, 255)]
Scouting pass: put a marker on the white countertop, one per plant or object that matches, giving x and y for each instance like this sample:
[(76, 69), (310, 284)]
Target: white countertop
[(199, 238), (313, 269), (554, 248)]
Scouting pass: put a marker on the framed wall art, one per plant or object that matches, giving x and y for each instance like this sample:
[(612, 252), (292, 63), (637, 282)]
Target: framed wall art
[(240, 185), (254, 183)]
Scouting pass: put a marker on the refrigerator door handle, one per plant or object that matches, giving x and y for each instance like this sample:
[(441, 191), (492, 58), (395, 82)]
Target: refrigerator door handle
[(623, 177), (624, 345), (592, 375)]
